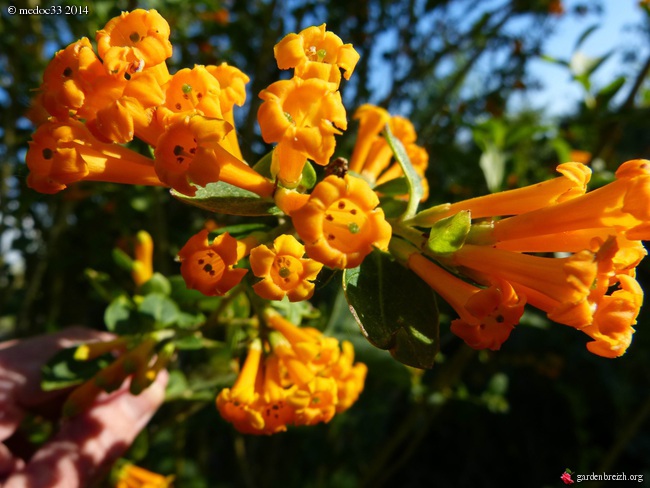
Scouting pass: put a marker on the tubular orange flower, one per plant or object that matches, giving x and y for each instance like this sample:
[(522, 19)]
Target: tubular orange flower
[(132, 476), (284, 270), (302, 116), (566, 281), (238, 405), (143, 263), (340, 223), (190, 152), (257, 403), (233, 92), (184, 153), (372, 155), (349, 376), (614, 317), (316, 53), (487, 315), (68, 77), (133, 41), (572, 184), (372, 120), (623, 205), (64, 153), (208, 267)]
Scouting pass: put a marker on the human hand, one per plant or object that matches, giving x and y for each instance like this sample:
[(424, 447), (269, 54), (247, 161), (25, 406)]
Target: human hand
[(85, 445)]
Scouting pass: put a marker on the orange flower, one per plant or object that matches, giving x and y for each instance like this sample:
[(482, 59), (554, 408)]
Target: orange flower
[(567, 282), (189, 92), (614, 317), (623, 205), (190, 152), (372, 156), (284, 271), (487, 315), (340, 223), (302, 116), (118, 111), (239, 404), (132, 476), (64, 153), (209, 267), (184, 153), (67, 79), (143, 264), (572, 184), (316, 53), (134, 41), (349, 376), (233, 92)]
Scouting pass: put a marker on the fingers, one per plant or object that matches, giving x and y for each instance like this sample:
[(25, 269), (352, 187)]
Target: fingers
[(86, 444), (21, 362)]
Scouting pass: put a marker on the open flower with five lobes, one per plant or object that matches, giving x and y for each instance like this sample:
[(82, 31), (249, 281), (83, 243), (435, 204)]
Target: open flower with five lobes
[(209, 266), (340, 223), (133, 41), (68, 78), (302, 116), (283, 270), (190, 152), (316, 53)]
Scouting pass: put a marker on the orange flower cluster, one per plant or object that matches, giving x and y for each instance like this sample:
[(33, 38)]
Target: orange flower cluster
[(590, 287), (98, 101), (298, 377), (303, 114)]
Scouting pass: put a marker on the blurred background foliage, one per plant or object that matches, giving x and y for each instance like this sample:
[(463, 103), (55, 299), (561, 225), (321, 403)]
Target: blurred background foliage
[(454, 67)]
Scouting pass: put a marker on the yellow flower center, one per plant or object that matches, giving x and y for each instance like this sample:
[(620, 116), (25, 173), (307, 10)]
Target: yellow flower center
[(210, 264), (286, 272), (343, 220)]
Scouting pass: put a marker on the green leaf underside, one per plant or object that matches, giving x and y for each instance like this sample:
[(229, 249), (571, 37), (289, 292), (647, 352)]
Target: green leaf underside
[(448, 235), (228, 199), (395, 309), (397, 186), (63, 370), (415, 189)]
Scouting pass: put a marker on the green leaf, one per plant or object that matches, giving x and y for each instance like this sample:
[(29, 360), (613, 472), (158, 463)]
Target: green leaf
[(583, 37), (395, 309), (397, 186), (263, 166), (195, 342), (156, 284), (493, 164), (122, 259), (224, 198), (309, 177), (605, 95), (117, 316), (160, 309), (63, 370), (415, 189), (392, 208), (448, 234)]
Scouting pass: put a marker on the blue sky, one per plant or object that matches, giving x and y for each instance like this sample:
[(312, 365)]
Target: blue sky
[(616, 31)]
